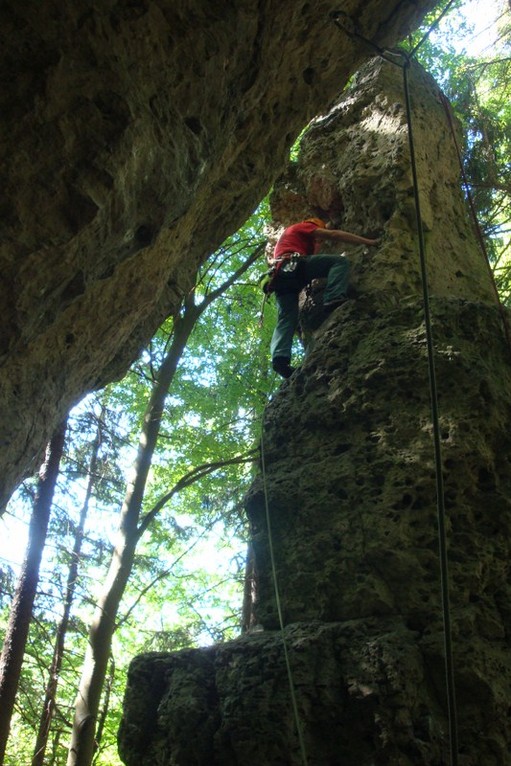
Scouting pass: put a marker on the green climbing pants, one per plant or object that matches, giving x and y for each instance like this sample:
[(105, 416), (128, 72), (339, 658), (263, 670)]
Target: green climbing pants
[(288, 285)]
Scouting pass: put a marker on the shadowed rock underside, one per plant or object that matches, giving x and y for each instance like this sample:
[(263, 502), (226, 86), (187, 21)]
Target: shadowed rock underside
[(136, 137)]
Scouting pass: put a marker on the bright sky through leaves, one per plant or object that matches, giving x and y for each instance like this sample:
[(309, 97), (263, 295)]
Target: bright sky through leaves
[(481, 34)]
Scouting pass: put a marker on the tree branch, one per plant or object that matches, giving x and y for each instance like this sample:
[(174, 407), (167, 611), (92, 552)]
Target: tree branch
[(189, 478)]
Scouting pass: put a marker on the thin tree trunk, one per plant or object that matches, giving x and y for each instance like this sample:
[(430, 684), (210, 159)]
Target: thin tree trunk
[(15, 640), (103, 626), (104, 710), (55, 744), (98, 651), (58, 652)]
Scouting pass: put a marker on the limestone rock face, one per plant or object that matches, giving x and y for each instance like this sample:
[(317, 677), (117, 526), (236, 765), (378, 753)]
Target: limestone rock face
[(135, 137), (234, 707), (351, 489)]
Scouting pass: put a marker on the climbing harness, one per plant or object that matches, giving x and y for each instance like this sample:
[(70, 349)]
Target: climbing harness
[(285, 264)]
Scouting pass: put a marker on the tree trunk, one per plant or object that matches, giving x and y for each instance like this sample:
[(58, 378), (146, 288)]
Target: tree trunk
[(103, 715), (58, 653), (352, 491), (103, 626), (21, 610), (98, 651)]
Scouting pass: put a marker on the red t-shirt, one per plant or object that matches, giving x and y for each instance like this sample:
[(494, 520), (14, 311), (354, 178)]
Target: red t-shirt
[(297, 239)]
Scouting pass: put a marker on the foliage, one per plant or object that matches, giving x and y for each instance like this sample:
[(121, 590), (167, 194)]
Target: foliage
[(192, 557), (479, 90)]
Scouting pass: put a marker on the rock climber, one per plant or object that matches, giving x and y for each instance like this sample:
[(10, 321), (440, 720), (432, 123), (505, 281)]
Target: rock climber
[(295, 263)]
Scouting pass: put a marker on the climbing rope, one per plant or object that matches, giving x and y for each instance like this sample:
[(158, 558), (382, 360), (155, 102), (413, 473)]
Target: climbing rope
[(435, 417), (435, 23), (348, 26), (296, 715), (392, 57)]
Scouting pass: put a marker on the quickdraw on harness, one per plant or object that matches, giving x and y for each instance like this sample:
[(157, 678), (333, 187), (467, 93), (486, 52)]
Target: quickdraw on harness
[(285, 263)]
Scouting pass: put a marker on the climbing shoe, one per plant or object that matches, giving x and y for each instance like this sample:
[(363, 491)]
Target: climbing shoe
[(281, 364), (350, 294)]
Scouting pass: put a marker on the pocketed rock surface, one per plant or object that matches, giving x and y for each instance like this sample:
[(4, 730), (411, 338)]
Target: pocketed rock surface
[(351, 484)]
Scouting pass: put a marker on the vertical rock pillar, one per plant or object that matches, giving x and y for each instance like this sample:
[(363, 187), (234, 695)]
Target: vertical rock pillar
[(350, 480)]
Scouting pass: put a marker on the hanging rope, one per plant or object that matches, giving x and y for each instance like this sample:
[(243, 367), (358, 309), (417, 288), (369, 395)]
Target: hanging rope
[(296, 715), (435, 417), (431, 28), (441, 514), (347, 25)]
